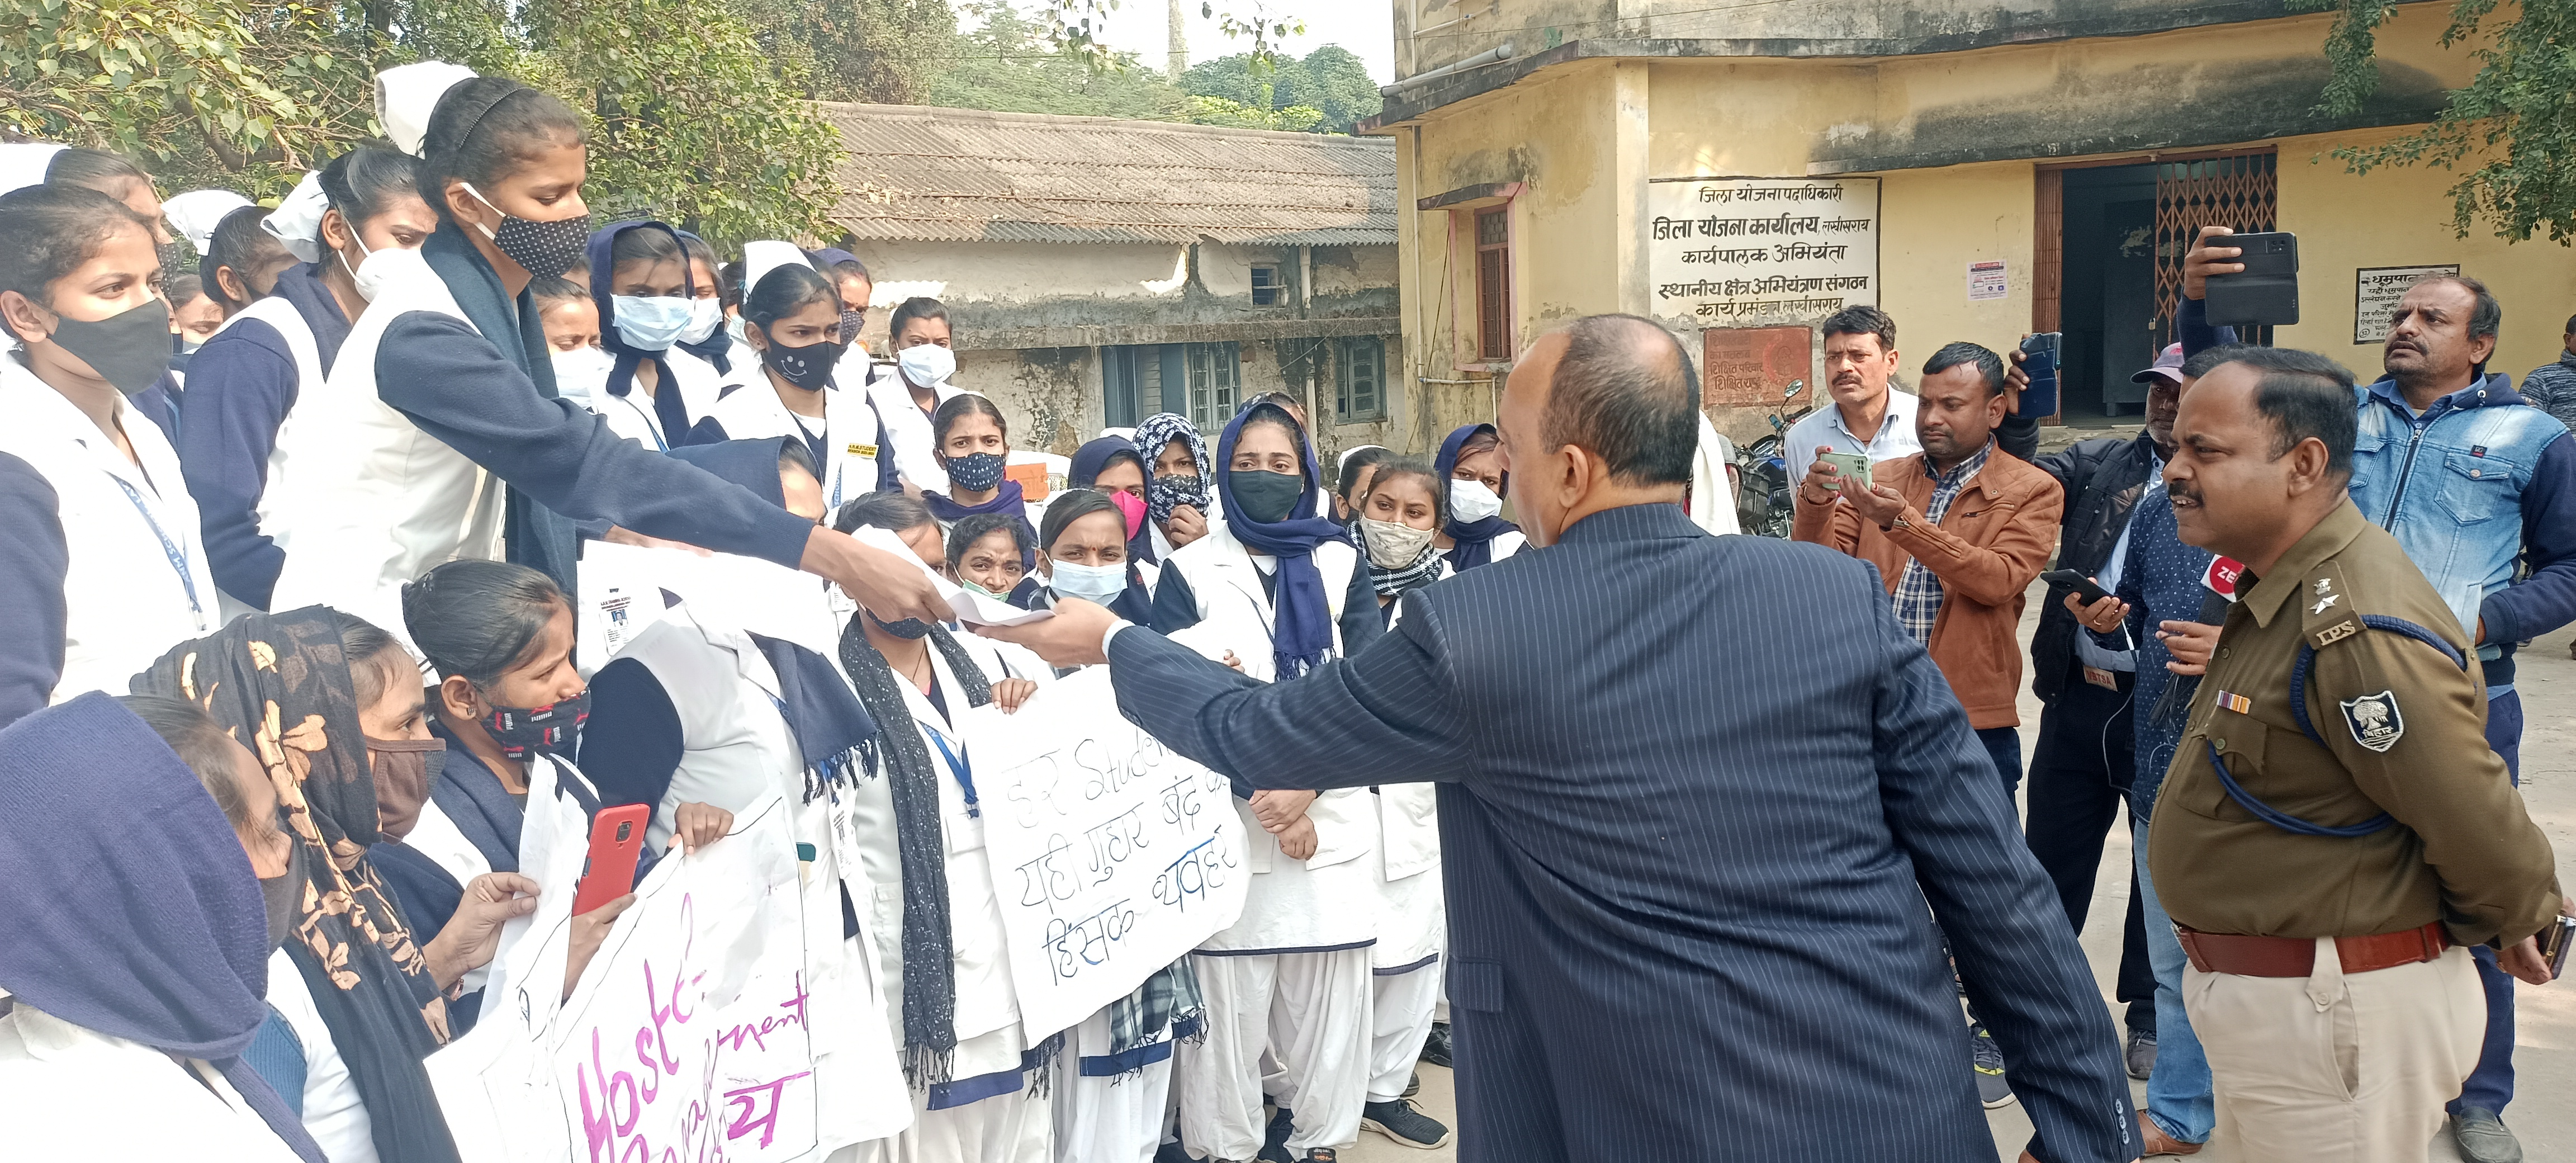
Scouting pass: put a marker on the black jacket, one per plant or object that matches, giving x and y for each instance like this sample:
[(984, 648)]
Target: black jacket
[(2103, 480)]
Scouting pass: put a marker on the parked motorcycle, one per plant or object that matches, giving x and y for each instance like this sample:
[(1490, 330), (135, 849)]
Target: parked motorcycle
[(1764, 502)]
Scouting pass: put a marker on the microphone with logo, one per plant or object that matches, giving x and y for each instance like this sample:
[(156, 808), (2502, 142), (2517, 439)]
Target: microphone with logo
[(2219, 585)]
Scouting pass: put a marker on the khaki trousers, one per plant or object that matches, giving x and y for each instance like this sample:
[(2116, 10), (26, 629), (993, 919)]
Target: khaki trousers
[(2352, 1069)]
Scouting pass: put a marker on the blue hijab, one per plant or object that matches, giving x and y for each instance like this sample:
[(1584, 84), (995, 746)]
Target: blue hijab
[(129, 906), (1093, 459), (717, 348), (1302, 634), (668, 408), (1475, 539)]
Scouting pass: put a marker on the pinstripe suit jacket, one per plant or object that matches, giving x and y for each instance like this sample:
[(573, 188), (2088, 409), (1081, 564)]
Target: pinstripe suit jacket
[(1687, 897)]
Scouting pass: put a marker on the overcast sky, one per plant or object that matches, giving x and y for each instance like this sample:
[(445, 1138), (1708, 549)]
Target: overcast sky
[(1366, 27)]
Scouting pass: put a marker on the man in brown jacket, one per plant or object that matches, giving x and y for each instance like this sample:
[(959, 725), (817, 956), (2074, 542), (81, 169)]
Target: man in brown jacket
[(1957, 532)]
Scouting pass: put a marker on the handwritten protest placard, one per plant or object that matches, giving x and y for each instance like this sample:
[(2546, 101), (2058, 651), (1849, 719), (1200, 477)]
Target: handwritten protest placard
[(1112, 855)]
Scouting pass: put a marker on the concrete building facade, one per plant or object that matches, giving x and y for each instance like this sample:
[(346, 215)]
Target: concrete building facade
[(1978, 169), (1099, 270)]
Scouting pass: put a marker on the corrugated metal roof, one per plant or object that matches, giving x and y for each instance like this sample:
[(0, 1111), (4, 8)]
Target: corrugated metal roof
[(923, 174)]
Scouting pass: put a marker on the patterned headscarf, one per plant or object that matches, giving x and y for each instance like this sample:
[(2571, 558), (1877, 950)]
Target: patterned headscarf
[(1164, 494), (280, 685)]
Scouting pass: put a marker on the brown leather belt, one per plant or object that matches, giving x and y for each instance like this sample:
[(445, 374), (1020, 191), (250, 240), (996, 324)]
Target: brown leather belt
[(2297, 956)]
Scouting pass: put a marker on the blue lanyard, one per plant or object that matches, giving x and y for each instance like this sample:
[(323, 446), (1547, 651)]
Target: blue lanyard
[(178, 559), (651, 425), (957, 767)]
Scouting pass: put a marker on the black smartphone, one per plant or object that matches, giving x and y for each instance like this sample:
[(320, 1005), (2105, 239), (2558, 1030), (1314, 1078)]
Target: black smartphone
[(2075, 580), (2555, 942), (2039, 361), (2266, 292)]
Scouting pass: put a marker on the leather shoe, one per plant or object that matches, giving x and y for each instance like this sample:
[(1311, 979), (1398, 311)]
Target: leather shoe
[(2483, 1138), (2153, 1141)]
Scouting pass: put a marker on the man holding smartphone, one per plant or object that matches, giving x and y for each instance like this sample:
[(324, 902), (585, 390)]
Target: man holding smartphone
[(2474, 482), (2333, 836)]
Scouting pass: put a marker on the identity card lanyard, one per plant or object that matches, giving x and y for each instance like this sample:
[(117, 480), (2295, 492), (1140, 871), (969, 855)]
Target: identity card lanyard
[(178, 559), (957, 767)]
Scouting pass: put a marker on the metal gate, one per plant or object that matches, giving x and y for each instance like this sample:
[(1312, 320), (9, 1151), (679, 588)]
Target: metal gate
[(2236, 190)]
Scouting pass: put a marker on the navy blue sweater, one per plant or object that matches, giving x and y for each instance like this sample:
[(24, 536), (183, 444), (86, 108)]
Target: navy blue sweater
[(33, 612), (495, 403), (240, 386)]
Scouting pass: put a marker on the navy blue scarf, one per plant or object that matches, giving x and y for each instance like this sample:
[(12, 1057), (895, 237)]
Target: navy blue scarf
[(1475, 539), (475, 801), (668, 407), (1302, 634), (537, 537), (162, 942), (1006, 499)]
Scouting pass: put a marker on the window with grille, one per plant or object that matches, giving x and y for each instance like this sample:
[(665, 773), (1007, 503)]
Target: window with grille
[(2238, 191), (1494, 283), (1361, 374), (1265, 286), (1213, 372)]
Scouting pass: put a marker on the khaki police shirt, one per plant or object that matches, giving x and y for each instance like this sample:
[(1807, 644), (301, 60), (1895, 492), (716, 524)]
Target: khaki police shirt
[(2399, 727)]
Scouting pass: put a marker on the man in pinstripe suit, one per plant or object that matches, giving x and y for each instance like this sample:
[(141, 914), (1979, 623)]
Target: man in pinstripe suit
[(1686, 897)]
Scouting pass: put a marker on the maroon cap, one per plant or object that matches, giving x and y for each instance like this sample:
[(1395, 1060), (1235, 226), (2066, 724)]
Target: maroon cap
[(2168, 366)]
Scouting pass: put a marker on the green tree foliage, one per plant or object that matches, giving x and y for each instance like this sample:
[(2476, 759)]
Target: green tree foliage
[(1219, 111), (883, 51), (2516, 119), (1010, 65), (691, 118), (1331, 80)]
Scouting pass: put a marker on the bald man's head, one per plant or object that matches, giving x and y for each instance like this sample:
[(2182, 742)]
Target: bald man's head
[(1624, 389)]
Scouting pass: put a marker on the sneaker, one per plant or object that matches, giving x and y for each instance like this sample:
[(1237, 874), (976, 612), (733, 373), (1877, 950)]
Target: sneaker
[(1992, 1090), (1404, 1123), (1320, 1155), (1413, 1086), (2483, 1138), (1435, 1049), (2141, 1054)]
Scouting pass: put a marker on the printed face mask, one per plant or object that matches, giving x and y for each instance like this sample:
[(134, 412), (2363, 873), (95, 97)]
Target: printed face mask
[(167, 253), (550, 729), (1265, 496), (851, 321), (808, 367), (543, 248), (1471, 501), (1164, 494), (404, 769), (1091, 583), (129, 349), (975, 471), (705, 315), (650, 322), (1132, 507), (926, 364), (1393, 544)]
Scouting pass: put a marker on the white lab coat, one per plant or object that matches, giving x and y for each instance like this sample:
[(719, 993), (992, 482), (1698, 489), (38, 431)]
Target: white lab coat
[(750, 409), (907, 427), (389, 499), (75, 1095), (137, 583), (334, 1113), (1326, 900), (279, 313)]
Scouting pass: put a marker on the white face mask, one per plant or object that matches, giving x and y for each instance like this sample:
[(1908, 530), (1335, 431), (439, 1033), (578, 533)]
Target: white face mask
[(1393, 544), (580, 373), (733, 327), (650, 322), (1098, 584), (1471, 501), (926, 364), (705, 315)]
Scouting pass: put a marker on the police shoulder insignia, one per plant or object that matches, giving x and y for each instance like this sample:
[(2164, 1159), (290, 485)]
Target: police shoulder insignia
[(2327, 615), (2375, 721), (2329, 635)]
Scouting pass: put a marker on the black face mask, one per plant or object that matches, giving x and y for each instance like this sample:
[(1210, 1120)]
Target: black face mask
[(550, 729), (284, 896), (1265, 496), (851, 321), (808, 367), (129, 349), (544, 249), (908, 628), (168, 253)]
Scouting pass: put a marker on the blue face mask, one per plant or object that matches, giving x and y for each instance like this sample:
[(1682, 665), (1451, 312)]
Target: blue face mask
[(1091, 583), (651, 322)]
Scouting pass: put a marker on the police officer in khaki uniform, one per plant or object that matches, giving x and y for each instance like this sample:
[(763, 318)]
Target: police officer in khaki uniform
[(2334, 828)]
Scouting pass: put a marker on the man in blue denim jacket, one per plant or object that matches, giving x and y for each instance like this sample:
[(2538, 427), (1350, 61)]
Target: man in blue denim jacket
[(2473, 481)]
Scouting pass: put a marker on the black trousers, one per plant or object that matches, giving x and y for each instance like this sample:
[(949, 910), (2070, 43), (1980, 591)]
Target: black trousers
[(2079, 780)]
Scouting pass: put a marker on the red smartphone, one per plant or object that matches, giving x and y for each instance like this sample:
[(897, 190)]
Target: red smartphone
[(616, 841)]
